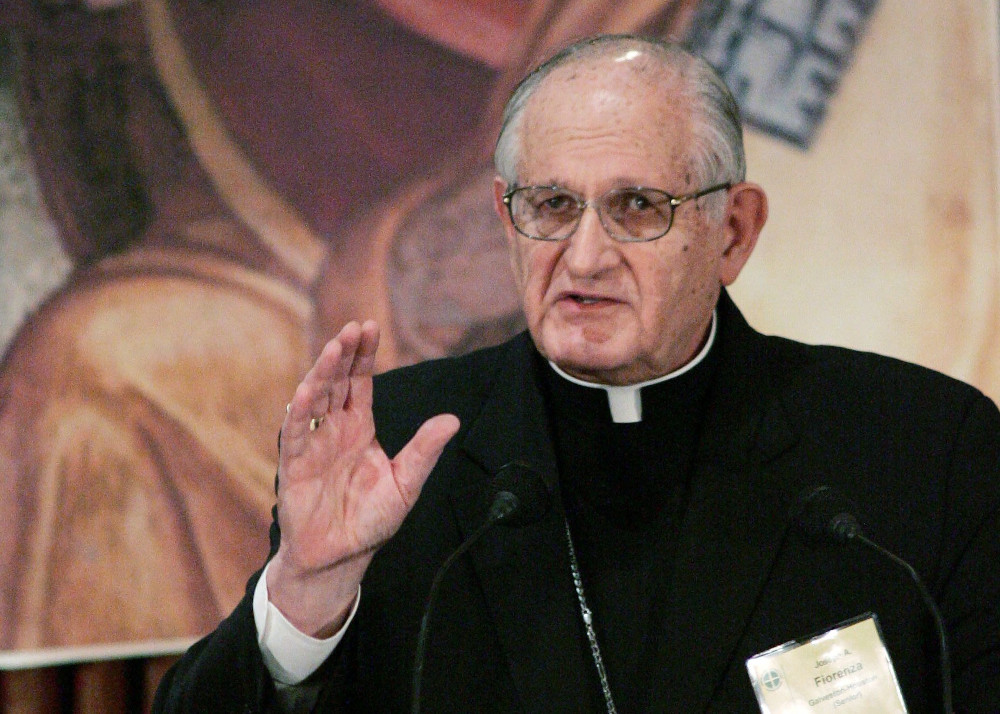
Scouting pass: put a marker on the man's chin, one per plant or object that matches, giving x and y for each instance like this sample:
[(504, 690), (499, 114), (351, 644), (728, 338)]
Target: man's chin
[(592, 366)]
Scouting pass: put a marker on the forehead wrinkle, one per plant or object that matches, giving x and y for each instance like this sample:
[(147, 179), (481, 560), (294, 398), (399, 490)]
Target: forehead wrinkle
[(585, 105), (648, 155)]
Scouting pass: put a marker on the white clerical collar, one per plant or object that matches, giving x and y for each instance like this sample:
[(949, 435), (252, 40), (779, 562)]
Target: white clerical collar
[(626, 401)]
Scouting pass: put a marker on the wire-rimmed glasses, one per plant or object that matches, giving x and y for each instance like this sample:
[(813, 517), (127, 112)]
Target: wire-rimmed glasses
[(631, 215)]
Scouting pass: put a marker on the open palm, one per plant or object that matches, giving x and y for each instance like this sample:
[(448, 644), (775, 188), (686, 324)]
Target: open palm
[(340, 496)]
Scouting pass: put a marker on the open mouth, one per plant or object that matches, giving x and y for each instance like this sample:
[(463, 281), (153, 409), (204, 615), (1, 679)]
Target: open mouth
[(584, 300), (592, 299)]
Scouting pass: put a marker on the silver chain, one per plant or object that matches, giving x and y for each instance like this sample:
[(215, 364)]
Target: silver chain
[(588, 623)]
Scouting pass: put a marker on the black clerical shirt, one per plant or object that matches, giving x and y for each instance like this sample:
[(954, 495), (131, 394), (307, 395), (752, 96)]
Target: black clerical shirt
[(623, 486)]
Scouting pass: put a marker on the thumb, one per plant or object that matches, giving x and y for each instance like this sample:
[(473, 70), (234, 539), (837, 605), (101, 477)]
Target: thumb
[(414, 462)]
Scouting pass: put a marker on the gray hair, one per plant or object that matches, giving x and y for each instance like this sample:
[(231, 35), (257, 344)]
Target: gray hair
[(718, 155)]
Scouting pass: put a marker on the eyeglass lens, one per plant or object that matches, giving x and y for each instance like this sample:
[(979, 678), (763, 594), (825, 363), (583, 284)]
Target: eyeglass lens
[(628, 214)]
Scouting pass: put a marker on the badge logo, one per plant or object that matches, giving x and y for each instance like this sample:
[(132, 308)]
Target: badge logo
[(771, 680)]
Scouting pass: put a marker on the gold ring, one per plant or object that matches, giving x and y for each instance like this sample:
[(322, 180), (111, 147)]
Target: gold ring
[(314, 423)]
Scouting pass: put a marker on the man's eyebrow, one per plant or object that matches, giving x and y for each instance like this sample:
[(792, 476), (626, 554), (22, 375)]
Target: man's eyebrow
[(626, 181)]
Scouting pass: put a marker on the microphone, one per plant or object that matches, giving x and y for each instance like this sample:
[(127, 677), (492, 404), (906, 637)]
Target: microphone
[(519, 496), (523, 493), (824, 513)]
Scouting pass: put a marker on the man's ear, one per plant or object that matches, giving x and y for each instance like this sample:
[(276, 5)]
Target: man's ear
[(746, 214), (499, 189)]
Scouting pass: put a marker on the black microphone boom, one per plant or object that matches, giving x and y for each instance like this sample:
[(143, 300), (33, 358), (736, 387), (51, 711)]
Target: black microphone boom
[(826, 514), (520, 496)]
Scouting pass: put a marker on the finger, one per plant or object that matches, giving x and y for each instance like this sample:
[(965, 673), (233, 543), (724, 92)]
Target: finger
[(325, 386), (363, 369), (338, 376), (414, 462), (312, 398), (299, 413)]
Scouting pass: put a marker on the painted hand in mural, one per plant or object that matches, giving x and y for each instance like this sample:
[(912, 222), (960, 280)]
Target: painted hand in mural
[(340, 496)]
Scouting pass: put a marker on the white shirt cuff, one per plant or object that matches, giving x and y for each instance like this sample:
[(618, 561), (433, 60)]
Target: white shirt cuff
[(289, 654)]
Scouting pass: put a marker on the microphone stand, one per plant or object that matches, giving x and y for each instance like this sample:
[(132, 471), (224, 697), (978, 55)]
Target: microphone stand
[(935, 613), (504, 504)]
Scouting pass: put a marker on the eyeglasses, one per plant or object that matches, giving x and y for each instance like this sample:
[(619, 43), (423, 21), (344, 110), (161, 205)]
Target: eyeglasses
[(629, 215)]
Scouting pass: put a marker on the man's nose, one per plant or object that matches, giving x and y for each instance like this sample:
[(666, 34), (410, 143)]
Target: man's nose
[(590, 249)]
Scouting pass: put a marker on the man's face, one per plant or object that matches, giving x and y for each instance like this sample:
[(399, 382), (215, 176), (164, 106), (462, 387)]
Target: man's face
[(605, 311)]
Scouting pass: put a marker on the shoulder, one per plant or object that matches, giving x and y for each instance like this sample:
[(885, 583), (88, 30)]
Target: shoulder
[(450, 380), (835, 393), (407, 396), (873, 378), (837, 382)]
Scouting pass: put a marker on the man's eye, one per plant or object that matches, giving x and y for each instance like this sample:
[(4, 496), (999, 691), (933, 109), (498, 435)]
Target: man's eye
[(635, 202), (558, 203)]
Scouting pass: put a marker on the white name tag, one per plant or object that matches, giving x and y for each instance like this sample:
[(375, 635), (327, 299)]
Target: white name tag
[(844, 671)]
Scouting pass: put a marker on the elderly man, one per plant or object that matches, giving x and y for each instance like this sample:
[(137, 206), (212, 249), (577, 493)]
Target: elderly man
[(676, 443)]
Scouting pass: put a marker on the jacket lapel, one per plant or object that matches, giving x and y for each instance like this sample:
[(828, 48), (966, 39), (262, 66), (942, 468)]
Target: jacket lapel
[(736, 518), (734, 523), (524, 572)]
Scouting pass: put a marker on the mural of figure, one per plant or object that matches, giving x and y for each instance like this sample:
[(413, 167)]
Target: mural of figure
[(232, 187)]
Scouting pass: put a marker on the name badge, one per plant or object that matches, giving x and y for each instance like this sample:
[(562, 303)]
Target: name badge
[(846, 670)]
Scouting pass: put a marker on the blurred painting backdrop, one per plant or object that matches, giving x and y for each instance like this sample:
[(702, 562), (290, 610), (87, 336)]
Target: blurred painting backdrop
[(196, 194)]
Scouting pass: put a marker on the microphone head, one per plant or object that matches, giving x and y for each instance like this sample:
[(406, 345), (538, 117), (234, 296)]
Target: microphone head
[(824, 513), (518, 495)]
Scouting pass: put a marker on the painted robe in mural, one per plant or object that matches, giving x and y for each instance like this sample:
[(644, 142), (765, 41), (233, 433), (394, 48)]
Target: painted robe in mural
[(259, 190)]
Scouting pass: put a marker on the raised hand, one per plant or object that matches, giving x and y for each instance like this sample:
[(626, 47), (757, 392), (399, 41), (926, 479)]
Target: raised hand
[(340, 496)]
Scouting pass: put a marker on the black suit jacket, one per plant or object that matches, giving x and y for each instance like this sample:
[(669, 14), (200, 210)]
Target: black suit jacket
[(918, 453)]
